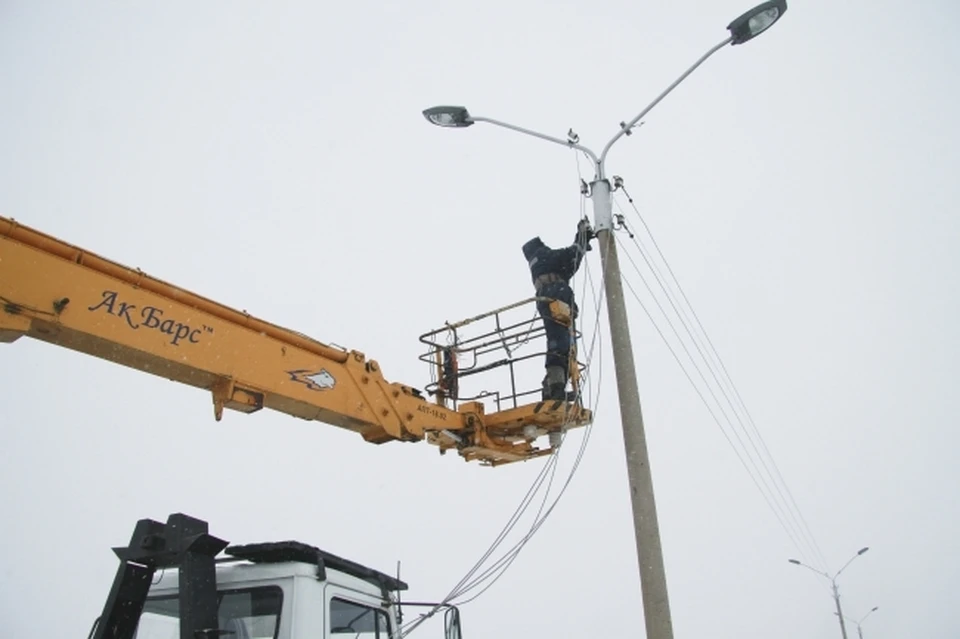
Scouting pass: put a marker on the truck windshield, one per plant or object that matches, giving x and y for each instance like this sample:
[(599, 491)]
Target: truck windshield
[(249, 613)]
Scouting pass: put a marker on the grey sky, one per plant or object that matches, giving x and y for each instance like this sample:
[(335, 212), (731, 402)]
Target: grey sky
[(272, 156)]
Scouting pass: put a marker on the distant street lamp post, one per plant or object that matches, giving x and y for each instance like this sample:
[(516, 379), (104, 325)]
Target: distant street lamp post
[(656, 605), (836, 590), (859, 623), (864, 618)]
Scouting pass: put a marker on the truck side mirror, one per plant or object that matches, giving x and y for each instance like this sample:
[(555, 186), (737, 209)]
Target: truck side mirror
[(451, 624)]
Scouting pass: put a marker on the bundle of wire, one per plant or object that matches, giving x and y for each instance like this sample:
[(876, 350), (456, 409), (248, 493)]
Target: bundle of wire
[(481, 577)]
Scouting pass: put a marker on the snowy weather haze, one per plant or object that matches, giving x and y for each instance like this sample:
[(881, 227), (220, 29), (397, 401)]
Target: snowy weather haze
[(787, 230)]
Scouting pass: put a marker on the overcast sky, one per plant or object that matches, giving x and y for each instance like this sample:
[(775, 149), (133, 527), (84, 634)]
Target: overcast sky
[(272, 156)]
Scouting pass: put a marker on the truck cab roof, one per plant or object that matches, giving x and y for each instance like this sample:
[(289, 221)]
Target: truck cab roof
[(279, 559)]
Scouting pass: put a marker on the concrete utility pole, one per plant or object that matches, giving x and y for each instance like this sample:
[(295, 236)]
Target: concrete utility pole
[(656, 604), (836, 589), (836, 598)]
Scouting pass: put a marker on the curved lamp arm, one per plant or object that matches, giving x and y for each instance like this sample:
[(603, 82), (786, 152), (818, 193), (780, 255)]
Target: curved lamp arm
[(625, 128)]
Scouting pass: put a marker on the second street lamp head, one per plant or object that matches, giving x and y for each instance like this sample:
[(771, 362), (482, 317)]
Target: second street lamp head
[(756, 21), (455, 117), (863, 550), (793, 561)]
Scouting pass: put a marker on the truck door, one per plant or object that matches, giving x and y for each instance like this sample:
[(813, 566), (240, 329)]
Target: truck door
[(354, 615)]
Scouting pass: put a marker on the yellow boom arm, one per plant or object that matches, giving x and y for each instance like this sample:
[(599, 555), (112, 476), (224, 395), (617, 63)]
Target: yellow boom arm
[(64, 295)]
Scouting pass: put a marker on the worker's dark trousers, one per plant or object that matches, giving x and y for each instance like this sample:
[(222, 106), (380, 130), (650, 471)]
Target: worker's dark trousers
[(558, 335)]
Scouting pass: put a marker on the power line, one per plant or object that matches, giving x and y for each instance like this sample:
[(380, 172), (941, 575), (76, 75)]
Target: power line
[(511, 554), (799, 524), (494, 572), (726, 435), (783, 510), (538, 520), (729, 380)]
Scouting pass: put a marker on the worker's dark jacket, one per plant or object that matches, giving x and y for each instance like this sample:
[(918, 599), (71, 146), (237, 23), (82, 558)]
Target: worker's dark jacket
[(551, 271)]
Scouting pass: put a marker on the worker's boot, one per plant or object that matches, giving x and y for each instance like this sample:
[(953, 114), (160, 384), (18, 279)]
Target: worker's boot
[(554, 383)]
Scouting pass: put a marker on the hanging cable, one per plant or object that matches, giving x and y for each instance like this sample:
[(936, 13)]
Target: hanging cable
[(709, 408), (713, 362), (783, 512), (777, 475), (593, 344), (500, 566), (509, 557)]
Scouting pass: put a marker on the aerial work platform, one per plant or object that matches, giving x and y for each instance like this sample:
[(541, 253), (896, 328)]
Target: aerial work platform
[(65, 295)]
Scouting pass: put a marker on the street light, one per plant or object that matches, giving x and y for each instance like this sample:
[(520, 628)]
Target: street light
[(656, 605), (448, 116), (836, 590), (864, 618), (860, 622), (756, 21)]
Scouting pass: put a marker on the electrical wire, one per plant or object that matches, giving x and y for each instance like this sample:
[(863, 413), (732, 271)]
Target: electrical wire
[(789, 508), (797, 529), (503, 563), (782, 514), (508, 558), (494, 572), (511, 554), (777, 475), (710, 410)]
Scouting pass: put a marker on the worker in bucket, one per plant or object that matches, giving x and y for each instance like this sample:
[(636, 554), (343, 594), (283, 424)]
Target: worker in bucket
[(552, 270)]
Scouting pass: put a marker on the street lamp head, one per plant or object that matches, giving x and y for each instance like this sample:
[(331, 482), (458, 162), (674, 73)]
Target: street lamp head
[(756, 21), (863, 550), (875, 608), (448, 116), (793, 561)]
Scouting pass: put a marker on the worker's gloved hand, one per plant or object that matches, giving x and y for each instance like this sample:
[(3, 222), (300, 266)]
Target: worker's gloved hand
[(585, 234)]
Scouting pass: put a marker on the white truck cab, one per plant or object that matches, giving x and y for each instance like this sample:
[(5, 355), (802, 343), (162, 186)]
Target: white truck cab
[(174, 583)]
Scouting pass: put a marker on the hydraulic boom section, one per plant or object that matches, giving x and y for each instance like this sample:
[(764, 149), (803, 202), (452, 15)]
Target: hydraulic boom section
[(64, 295)]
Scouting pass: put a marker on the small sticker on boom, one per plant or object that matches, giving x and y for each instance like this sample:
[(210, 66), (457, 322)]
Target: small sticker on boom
[(317, 380), (433, 412)]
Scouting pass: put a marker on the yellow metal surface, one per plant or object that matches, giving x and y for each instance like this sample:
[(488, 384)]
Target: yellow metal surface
[(64, 295)]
